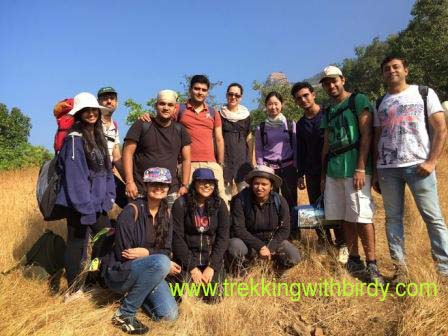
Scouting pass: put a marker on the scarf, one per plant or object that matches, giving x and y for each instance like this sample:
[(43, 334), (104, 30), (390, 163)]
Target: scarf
[(240, 114), (279, 121)]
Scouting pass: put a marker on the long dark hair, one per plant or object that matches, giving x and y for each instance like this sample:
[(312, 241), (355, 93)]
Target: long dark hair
[(212, 203), (93, 144), (162, 224)]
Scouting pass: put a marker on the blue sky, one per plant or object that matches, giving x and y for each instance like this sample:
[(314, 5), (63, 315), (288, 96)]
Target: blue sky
[(55, 49)]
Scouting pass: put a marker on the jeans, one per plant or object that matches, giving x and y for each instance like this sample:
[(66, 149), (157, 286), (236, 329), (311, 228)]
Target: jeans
[(146, 287), (424, 190)]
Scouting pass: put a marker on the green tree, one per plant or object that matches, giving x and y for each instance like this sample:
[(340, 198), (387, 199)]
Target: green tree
[(15, 151), (424, 43)]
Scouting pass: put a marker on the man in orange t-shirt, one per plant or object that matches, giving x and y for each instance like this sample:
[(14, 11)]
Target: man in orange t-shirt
[(205, 129)]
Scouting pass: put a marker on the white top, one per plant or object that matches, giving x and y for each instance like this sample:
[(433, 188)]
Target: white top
[(404, 139), (112, 137)]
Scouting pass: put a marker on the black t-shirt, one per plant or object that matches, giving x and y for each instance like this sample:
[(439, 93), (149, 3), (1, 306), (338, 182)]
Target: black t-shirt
[(157, 147)]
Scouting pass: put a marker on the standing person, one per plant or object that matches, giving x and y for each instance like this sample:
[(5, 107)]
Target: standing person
[(260, 221), (310, 140), (201, 230), (407, 155), (140, 260), (157, 144), (235, 130), (107, 97), (87, 184), (347, 169), (275, 147)]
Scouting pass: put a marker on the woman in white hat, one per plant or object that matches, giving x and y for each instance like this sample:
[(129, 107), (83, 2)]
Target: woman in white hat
[(87, 186), (140, 260), (260, 221)]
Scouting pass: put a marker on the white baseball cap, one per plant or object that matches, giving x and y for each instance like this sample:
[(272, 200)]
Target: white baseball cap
[(332, 72)]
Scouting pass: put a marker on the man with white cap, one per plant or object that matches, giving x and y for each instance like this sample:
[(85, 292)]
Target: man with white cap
[(347, 169), (157, 144)]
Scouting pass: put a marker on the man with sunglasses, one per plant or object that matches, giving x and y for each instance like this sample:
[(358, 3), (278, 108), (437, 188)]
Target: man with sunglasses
[(157, 144)]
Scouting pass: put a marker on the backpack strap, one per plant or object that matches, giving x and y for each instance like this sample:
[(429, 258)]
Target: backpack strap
[(116, 126), (423, 90), (180, 113), (145, 129), (290, 126), (135, 211), (263, 134), (379, 101)]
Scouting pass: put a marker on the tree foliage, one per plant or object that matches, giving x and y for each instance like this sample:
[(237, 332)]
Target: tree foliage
[(15, 151)]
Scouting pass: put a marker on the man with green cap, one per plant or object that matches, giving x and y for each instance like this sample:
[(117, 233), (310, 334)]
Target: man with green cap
[(107, 97)]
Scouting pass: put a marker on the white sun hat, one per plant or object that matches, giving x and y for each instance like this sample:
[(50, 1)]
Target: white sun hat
[(83, 100)]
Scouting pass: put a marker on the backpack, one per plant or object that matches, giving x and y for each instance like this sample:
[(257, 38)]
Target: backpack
[(423, 90), (47, 188), (64, 121), (353, 143)]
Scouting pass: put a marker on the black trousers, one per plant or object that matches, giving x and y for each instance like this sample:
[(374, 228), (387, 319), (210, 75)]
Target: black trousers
[(324, 235), (77, 241), (289, 187)]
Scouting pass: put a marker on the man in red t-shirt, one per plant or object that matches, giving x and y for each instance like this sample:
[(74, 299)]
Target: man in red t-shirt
[(205, 129)]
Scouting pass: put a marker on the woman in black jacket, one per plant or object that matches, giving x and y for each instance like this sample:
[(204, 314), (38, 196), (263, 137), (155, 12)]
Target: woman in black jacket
[(140, 261), (260, 221), (201, 230)]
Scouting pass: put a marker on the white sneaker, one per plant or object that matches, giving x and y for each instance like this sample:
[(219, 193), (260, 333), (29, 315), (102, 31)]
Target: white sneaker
[(343, 255)]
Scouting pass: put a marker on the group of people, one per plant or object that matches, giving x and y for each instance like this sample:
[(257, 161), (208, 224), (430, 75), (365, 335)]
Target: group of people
[(195, 201)]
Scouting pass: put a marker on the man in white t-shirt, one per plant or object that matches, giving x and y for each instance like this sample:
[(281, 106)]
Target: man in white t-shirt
[(406, 154)]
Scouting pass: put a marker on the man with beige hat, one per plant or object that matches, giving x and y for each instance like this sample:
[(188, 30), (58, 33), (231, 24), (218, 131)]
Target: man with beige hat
[(347, 170), (157, 144)]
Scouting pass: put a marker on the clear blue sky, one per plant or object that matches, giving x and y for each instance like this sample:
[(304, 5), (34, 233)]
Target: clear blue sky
[(55, 49)]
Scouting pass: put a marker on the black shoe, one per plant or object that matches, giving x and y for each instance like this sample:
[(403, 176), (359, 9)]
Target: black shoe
[(130, 324), (373, 275), (355, 267)]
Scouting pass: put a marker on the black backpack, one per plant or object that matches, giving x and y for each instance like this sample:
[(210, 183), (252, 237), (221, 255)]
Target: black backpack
[(423, 90)]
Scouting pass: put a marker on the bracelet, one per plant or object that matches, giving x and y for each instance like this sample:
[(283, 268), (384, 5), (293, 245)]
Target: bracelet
[(360, 170), (129, 182)]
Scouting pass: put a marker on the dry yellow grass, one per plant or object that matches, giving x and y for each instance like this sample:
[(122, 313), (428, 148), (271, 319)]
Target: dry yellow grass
[(28, 308)]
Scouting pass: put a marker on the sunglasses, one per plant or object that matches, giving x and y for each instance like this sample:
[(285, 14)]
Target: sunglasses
[(236, 95)]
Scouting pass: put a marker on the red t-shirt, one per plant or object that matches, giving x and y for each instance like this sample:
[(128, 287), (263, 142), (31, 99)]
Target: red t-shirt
[(200, 126)]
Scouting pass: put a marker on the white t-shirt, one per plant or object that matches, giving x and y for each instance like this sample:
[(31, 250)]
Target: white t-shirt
[(112, 137), (404, 139)]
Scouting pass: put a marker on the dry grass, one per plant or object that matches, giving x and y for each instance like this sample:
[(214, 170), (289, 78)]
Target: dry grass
[(29, 309)]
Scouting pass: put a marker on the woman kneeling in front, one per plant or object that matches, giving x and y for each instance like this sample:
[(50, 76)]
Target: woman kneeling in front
[(260, 221), (141, 261)]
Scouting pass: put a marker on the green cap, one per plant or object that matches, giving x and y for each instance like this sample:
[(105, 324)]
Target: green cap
[(106, 89)]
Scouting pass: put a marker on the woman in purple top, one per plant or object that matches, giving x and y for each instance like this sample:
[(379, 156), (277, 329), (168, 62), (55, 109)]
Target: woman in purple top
[(275, 146)]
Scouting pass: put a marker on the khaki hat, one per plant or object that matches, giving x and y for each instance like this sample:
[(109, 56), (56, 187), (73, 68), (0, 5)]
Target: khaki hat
[(331, 71), (266, 172), (167, 95), (83, 100)]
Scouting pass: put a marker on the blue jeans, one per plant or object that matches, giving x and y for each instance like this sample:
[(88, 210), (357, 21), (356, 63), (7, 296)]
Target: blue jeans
[(146, 287), (424, 190)]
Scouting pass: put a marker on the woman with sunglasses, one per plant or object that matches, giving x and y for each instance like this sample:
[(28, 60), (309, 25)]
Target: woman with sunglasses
[(275, 147), (201, 231), (235, 129), (140, 261)]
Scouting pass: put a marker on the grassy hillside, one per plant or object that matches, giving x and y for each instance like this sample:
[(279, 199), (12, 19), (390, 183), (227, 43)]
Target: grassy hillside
[(29, 309)]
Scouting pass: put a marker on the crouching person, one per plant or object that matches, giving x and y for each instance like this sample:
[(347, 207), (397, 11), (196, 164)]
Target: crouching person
[(140, 261), (260, 222), (201, 233)]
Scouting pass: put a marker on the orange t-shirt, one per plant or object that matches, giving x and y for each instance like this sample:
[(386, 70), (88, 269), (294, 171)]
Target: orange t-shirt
[(200, 127)]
